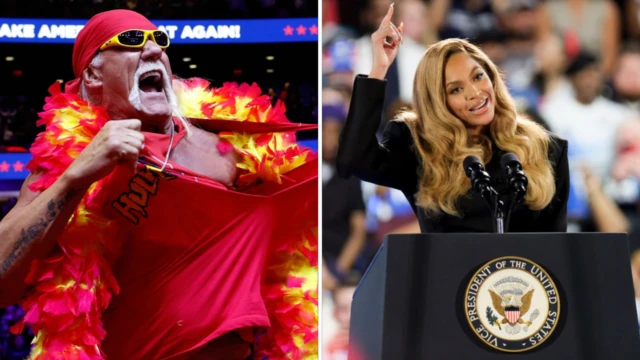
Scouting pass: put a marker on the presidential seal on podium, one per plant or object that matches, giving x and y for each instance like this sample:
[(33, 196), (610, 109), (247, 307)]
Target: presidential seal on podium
[(512, 304)]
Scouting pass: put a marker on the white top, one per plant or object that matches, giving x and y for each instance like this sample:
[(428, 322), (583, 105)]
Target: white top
[(591, 131)]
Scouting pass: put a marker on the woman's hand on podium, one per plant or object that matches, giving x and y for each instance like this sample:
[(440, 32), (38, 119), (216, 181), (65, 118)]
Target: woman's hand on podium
[(385, 43)]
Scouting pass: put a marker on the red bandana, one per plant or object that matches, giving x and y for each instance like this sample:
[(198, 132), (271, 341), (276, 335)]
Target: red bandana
[(97, 31)]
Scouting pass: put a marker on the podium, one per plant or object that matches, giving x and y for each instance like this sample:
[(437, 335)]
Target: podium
[(414, 300)]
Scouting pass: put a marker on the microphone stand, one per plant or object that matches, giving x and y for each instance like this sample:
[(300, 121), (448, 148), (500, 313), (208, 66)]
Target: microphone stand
[(499, 216), (519, 195), (496, 206), (481, 183)]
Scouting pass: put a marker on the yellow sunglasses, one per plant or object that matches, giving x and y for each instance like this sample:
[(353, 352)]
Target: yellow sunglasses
[(136, 39)]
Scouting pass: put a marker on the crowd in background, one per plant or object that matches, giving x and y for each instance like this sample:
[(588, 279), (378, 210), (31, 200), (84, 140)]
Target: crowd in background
[(17, 124), (571, 65)]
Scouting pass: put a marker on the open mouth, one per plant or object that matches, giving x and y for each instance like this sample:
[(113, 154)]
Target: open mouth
[(481, 106), (151, 82)]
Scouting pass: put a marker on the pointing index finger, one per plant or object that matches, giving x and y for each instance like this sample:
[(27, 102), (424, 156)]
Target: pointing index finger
[(387, 18)]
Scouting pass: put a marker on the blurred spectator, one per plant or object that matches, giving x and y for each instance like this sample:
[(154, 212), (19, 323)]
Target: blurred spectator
[(417, 27), (589, 122), (627, 161), (297, 109), (461, 18), (388, 212), (372, 14), (492, 42), (631, 11), (606, 215), (272, 95), (533, 114), (551, 63), (17, 124), (635, 271), (343, 209), (626, 77), (516, 19), (338, 59), (285, 90), (336, 98), (331, 27), (584, 25), (7, 119), (338, 344)]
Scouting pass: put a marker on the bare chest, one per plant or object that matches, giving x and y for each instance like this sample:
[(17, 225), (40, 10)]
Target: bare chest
[(200, 154)]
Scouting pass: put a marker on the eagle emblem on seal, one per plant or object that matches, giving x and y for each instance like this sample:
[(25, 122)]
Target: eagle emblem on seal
[(511, 298)]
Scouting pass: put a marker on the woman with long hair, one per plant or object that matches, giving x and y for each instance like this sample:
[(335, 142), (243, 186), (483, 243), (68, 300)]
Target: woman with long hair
[(461, 107)]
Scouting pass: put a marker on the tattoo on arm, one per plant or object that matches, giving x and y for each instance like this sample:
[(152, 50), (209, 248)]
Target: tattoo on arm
[(27, 235)]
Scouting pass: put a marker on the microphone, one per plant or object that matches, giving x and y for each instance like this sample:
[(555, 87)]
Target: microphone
[(516, 179), (515, 176), (481, 183), (480, 179)]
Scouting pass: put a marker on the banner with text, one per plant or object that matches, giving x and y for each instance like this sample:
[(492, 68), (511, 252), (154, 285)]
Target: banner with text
[(64, 31)]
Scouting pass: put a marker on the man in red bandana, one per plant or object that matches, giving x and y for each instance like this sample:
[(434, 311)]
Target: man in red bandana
[(189, 280)]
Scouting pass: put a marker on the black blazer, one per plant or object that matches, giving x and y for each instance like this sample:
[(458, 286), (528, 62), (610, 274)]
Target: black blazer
[(394, 163)]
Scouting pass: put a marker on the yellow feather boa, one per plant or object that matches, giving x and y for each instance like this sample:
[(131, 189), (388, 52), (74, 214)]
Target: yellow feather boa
[(72, 288)]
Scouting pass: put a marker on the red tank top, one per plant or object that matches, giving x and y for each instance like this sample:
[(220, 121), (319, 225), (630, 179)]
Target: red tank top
[(193, 254)]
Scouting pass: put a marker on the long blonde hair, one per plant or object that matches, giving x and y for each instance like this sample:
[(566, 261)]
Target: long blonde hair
[(442, 141)]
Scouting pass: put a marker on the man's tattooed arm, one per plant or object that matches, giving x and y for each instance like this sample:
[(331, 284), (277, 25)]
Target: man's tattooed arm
[(28, 234)]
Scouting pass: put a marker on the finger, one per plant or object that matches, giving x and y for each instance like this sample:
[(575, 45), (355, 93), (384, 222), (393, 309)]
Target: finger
[(386, 31), (133, 141), (127, 151), (133, 124), (388, 34), (392, 40), (132, 134), (396, 32), (379, 35), (129, 155), (401, 28), (387, 18)]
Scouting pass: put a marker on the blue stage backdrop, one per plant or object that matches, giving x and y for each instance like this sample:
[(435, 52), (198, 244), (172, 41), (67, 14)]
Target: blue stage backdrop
[(12, 165), (64, 31)]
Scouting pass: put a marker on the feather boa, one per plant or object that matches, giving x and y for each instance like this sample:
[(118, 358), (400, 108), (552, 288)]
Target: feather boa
[(72, 288)]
